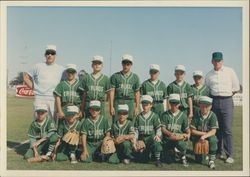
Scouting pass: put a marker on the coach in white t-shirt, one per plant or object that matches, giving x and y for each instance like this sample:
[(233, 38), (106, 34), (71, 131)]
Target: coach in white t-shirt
[(223, 83), (43, 79)]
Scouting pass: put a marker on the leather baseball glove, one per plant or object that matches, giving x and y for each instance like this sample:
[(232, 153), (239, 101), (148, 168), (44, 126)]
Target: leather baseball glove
[(71, 137), (201, 147), (140, 146), (108, 146)]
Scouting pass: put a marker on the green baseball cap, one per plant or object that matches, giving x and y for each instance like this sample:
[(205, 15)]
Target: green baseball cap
[(174, 98), (217, 56), (72, 110)]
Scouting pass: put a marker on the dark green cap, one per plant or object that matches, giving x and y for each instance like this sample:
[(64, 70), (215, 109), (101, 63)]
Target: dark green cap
[(217, 56)]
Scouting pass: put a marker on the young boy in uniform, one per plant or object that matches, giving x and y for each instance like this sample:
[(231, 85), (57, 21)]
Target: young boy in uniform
[(69, 133), (175, 129), (68, 92), (148, 129), (95, 86), (94, 129), (203, 127), (42, 135), (124, 136), (155, 88), (125, 89), (199, 89), (181, 87)]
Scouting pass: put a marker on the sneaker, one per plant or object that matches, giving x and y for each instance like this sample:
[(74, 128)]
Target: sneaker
[(126, 161), (219, 156), (211, 164), (184, 162), (73, 158), (229, 160), (158, 163)]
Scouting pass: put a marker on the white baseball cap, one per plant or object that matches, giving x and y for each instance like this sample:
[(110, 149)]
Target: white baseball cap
[(97, 58), (205, 100), (72, 110), (127, 57), (180, 68), (95, 104), (146, 99), (198, 73), (123, 108), (50, 47), (41, 108), (71, 67), (174, 98), (154, 67)]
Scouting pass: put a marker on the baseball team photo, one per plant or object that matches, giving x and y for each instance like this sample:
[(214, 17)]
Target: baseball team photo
[(125, 88)]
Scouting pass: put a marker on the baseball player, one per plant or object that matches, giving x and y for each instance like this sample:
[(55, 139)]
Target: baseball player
[(95, 85), (148, 128), (125, 89), (181, 87), (203, 127), (155, 88), (43, 79), (68, 92), (42, 135), (69, 133), (94, 129), (124, 136), (175, 130), (199, 89)]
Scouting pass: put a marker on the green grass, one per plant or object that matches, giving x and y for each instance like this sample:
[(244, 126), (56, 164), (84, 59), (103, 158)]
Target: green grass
[(19, 117)]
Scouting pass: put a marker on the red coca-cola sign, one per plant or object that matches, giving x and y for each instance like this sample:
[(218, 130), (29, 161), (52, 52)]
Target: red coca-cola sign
[(24, 91)]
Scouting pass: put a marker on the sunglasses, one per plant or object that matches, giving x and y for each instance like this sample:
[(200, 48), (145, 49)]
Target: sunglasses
[(50, 52)]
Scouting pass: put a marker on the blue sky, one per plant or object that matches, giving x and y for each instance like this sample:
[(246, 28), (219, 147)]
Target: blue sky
[(167, 36)]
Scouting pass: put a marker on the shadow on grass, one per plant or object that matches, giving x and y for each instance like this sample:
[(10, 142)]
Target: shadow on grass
[(19, 148)]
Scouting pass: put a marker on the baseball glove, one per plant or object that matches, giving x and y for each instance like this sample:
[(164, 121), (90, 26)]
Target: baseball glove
[(71, 137), (108, 146), (177, 137), (201, 147), (140, 146)]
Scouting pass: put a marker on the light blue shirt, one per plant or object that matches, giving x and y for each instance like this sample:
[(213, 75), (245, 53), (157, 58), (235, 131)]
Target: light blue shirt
[(45, 78)]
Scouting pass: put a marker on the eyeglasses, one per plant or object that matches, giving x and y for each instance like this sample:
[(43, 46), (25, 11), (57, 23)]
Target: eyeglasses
[(50, 52)]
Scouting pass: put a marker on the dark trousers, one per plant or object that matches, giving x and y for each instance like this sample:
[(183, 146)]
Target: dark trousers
[(223, 108)]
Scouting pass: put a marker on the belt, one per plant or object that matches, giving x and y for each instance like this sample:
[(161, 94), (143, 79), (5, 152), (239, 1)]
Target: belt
[(220, 97)]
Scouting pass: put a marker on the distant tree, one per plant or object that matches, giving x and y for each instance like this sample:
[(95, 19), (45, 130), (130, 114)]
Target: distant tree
[(18, 80)]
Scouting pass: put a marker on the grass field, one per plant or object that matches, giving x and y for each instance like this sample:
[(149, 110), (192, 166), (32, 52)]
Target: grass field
[(19, 117)]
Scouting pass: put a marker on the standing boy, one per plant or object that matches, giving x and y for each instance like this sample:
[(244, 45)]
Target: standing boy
[(42, 135), (148, 129), (175, 129), (155, 88), (203, 127), (95, 86)]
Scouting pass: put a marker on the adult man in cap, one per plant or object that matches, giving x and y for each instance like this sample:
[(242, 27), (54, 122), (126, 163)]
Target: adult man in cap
[(199, 89), (43, 79), (223, 84), (125, 89), (95, 86), (181, 87), (155, 88)]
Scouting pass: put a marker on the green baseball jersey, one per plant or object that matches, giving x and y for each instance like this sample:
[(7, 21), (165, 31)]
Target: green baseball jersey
[(69, 93), (125, 86), (204, 124), (125, 129), (64, 127), (157, 91), (203, 91), (95, 130), (184, 90), (175, 123), (95, 88), (45, 129), (147, 126)]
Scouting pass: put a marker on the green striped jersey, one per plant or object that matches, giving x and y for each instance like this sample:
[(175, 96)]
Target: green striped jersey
[(125, 129)]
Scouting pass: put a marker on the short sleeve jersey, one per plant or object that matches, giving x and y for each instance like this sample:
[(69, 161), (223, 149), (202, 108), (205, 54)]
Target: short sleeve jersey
[(126, 129), (203, 91), (157, 91), (125, 86), (95, 130), (96, 88), (64, 127)]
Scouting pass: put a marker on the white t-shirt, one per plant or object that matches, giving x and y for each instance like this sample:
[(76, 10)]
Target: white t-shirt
[(45, 78)]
